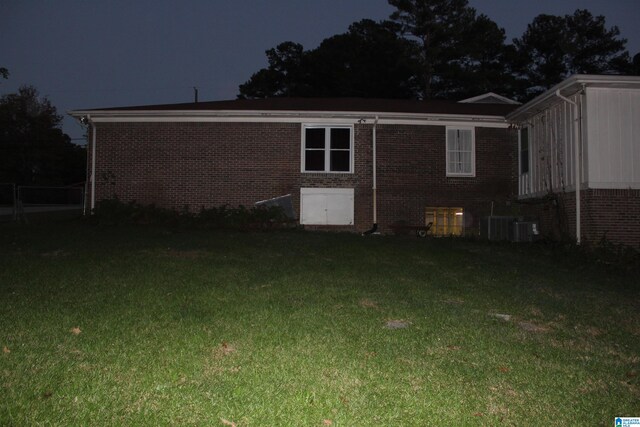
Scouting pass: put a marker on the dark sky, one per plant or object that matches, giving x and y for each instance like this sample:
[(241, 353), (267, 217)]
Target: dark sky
[(89, 54)]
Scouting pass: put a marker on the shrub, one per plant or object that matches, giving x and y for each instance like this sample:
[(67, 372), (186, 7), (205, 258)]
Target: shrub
[(115, 212), (606, 252)]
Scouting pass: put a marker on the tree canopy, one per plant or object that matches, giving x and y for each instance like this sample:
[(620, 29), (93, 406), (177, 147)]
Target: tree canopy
[(33, 148), (369, 60), (459, 52), (554, 47), (443, 49)]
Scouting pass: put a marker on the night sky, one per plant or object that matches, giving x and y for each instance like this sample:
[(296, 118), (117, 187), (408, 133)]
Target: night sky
[(90, 54)]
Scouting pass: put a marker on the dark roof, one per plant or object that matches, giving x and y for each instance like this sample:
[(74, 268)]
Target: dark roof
[(332, 104)]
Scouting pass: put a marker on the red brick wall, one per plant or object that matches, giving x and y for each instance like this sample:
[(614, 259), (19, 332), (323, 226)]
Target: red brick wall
[(211, 164), (612, 215), (197, 164), (412, 174)]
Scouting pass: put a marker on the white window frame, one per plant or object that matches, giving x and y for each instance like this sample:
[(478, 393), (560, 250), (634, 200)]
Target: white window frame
[(327, 148), (471, 129)]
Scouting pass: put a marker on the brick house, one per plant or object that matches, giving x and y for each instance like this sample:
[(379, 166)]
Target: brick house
[(448, 163), (586, 130)]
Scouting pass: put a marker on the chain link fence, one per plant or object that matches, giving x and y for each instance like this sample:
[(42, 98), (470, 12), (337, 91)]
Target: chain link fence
[(8, 201), (20, 202)]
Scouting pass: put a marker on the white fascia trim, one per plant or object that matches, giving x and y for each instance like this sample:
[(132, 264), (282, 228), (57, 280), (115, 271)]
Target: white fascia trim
[(290, 117), (587, 186), (489, 95), (614, 185)]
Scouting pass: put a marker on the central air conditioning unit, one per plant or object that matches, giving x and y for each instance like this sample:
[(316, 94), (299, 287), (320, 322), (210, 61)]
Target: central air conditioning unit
[(497, 227), (525, 231), (508, 228)]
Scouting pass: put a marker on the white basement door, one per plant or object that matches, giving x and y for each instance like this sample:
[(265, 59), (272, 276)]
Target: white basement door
[(326, 206)]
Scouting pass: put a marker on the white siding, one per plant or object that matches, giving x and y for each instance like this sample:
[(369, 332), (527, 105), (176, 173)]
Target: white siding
[(610, 135), (613, 130), (551, 150)]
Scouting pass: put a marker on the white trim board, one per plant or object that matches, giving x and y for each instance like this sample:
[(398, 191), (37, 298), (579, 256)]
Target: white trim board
[(291, 117)]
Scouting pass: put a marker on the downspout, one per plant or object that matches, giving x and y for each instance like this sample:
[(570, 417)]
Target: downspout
[(93, 164), (577, 138), (374, 228), (85, 198)]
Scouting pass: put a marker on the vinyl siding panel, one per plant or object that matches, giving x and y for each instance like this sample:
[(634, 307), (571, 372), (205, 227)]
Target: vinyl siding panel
[(613, 129), (551, 150)]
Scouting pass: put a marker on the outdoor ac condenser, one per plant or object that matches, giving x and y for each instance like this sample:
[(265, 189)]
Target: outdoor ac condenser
[(497, 227), (525, 231), (508, 228)]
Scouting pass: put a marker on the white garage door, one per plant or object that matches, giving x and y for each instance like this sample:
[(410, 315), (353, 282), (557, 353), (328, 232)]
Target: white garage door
[(326, 206)]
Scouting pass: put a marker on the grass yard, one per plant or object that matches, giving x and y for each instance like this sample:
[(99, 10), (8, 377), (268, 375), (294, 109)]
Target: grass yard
[(143, 326)]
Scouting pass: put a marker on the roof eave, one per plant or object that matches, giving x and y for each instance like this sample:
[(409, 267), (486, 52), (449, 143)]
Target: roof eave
[(568, 87), (169, 115), (475, 99)]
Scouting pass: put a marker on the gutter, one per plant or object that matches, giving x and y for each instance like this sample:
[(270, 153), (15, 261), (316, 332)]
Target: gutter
[(577, 124), (280, 115), (591, 80), (85, 119)]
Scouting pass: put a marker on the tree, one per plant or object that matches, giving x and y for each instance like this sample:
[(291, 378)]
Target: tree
[(555, 47), (4, 73), (283, 77), (369, 60), (480, 66), (443, 49), (460, 53), (33, 148)]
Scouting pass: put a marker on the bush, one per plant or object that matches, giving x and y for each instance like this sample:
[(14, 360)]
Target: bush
[(116, 212), (608, 253)]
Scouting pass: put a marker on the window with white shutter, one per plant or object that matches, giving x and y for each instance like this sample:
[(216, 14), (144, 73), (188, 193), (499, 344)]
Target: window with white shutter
[(461, 155)]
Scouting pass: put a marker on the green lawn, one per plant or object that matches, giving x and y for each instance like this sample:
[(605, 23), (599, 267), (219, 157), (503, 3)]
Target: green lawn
[(143, 326)]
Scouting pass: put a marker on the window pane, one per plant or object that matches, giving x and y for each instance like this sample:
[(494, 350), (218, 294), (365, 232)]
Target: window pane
[(524, 138), (466, 163), (328, 149), (314, 160), (445, 221), (524, 161), (524, 150), (452, 137), (465, 140), (314, 138), (459, 151), (340, 138), (340, 161)]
